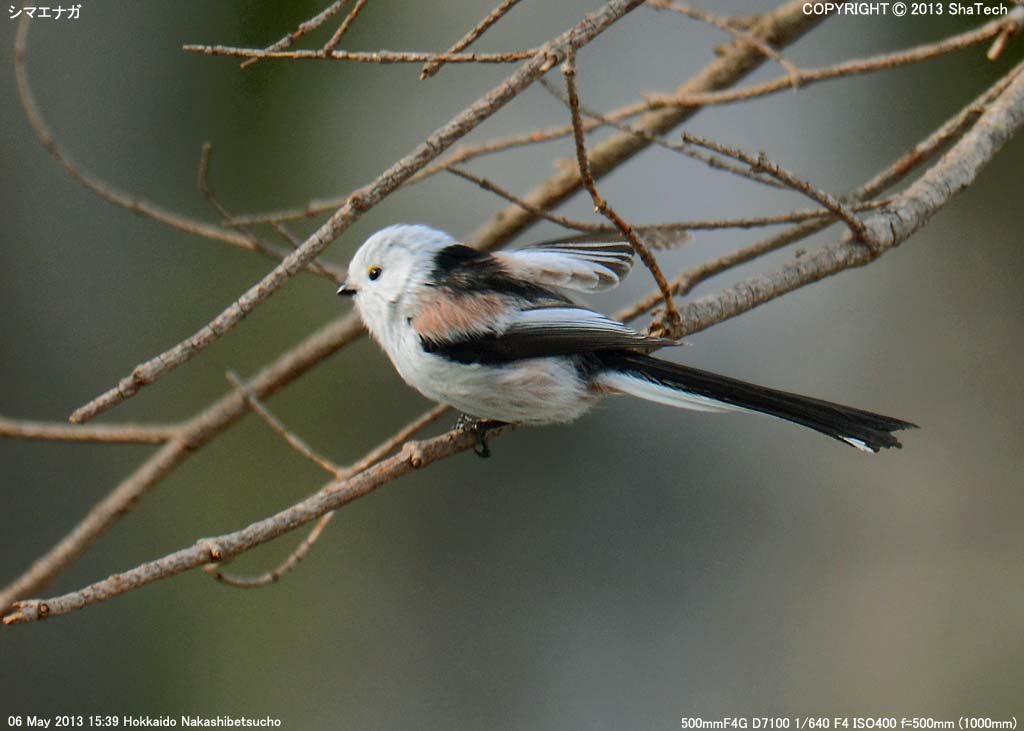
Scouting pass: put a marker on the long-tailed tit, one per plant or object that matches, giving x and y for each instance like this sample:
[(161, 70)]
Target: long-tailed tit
[(498, 337)]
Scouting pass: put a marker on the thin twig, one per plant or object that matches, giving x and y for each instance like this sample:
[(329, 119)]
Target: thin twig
[(343, 28), (205, 187), (761, 163), (953, 128), (497, 190), (997, 47), (94, 184), (1012, 20), (601, 205), (710, 224), (358, 203), (275, 574), (463, 153), (780, 27), (300, 446), (293, 440), (112, 433), (381, 56), (306, 27), (741, 34), (684, 282), (712, 161), (695, 225), (431, 68), (396, 440)]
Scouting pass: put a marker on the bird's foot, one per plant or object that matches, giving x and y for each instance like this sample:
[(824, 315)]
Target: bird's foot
[(478, 428)]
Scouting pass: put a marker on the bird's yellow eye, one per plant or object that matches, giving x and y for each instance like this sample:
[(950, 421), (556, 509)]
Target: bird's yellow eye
[(374, 272)]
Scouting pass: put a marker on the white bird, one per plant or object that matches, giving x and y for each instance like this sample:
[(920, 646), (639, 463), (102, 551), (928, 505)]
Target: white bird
[(498, 337)]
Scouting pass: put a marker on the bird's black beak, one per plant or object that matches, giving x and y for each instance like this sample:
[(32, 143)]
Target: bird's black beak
[(347, 291)]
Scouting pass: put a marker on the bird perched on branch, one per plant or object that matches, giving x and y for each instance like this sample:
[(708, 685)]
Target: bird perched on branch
[(499, 337)]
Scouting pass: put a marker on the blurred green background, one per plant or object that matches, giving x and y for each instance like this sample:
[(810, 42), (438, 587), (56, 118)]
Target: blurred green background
[(641, 565)]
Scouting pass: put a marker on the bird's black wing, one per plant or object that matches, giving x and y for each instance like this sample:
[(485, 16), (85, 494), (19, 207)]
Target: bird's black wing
[(540, 332)]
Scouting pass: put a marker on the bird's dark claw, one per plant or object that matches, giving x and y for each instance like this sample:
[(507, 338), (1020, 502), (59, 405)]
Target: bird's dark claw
[(478, 428)]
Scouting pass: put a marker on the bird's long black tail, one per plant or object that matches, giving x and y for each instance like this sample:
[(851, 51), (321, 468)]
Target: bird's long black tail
[(677, 385)]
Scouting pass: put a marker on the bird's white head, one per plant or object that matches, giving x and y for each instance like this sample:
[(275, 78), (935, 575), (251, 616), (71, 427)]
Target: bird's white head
[(393, 262)]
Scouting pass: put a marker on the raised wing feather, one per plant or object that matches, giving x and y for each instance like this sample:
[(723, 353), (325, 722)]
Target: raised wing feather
[(583, 266)]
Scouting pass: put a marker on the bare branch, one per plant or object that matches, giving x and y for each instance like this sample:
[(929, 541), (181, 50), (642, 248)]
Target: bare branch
[(997, 47), (303, 549), (761, 163), (902, 167), (206, 154), (712, 161), (293, 440), (739, 33), (1013, 20), (364, 56), (94, 184), (358, 203), (306, 27), (300, 552), (275, 574), (396, 440), (221, 548), (194, 433), (734, 60), (343, 28), (463, 153), (780, 27), (888, 227), (494, 188), (113, 433), (707, 223), (431, 68), (601, 205)]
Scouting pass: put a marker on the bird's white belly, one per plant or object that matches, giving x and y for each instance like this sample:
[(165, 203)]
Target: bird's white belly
[(530, 391)]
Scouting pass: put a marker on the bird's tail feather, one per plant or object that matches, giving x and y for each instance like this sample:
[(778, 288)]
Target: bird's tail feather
[(677, 385)]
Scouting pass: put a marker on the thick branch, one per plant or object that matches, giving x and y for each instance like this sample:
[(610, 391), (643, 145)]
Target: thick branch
[(333, 496), (194, 433), (889, 227), (919, 154)]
